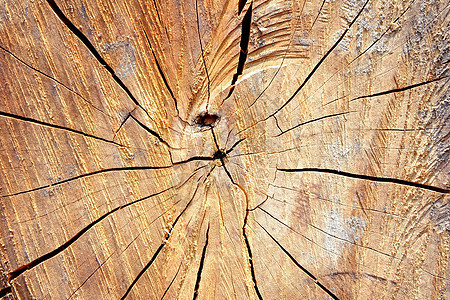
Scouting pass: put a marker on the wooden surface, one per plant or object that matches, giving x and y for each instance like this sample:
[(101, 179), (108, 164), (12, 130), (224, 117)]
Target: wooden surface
[(125, 170)]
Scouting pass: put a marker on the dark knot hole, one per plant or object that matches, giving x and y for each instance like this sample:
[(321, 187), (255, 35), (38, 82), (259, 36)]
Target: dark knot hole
[(206, 120)]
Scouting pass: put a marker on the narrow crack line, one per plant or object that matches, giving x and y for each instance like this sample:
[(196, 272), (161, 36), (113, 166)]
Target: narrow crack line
[(272, 79), (319, 198), (173, 279), (90, 276), (399, 89), (77, 32), (295, 231), (129, 244), (312, 121), (382, 35), (318, 245), (215, 139), (200, 267), (241, 6), (124, 121), (370, 178), (118, 169), (318, 64), (5, 291), (344, 240), (318, 14), (203, 55), (14, 274), (244, 226), (152, 132), (245, 38), (159, 216), (360, 207), (87, 175), (164, 242), (376, 61), (284, 57), (245, 237), (209, 173), (42, 123), (278, 125), (160, 70), (250, 255), (317, 282), (228, 137), (55, 80), (235, 145), (160, 21)]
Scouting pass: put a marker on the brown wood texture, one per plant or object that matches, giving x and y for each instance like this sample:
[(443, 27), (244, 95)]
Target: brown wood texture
[(265, 149)]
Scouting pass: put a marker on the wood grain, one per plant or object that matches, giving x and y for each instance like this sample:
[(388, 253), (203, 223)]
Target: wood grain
[(224, 149)]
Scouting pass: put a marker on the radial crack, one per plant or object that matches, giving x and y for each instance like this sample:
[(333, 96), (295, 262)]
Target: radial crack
[(164, 242), (14, 274), (53, 79), (244, 226), (250, 255), (312, 121), (42, 123), (370, 178), (5, 291), (159, 19), (87, 175), (161, 72), (241, 5), (173, 279), (200, 267), (318, 14), (245, 37), (317, 282), (399, 89), (93, 51), (318, 64), (152, 132), (203, 54), (118, 169)]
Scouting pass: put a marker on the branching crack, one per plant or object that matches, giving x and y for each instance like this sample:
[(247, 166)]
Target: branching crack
[(247, 210)]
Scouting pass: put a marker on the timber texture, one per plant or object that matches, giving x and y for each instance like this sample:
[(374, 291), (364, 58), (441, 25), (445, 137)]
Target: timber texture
[(209, 149)]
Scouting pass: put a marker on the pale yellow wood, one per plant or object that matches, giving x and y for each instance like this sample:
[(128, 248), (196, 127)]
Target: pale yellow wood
[(236, 227)]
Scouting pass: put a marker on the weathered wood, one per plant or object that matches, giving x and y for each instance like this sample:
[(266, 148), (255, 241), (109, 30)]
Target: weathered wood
[(148, 150)]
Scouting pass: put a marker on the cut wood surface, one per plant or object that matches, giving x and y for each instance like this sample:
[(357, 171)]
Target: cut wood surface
[(185, 149)]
